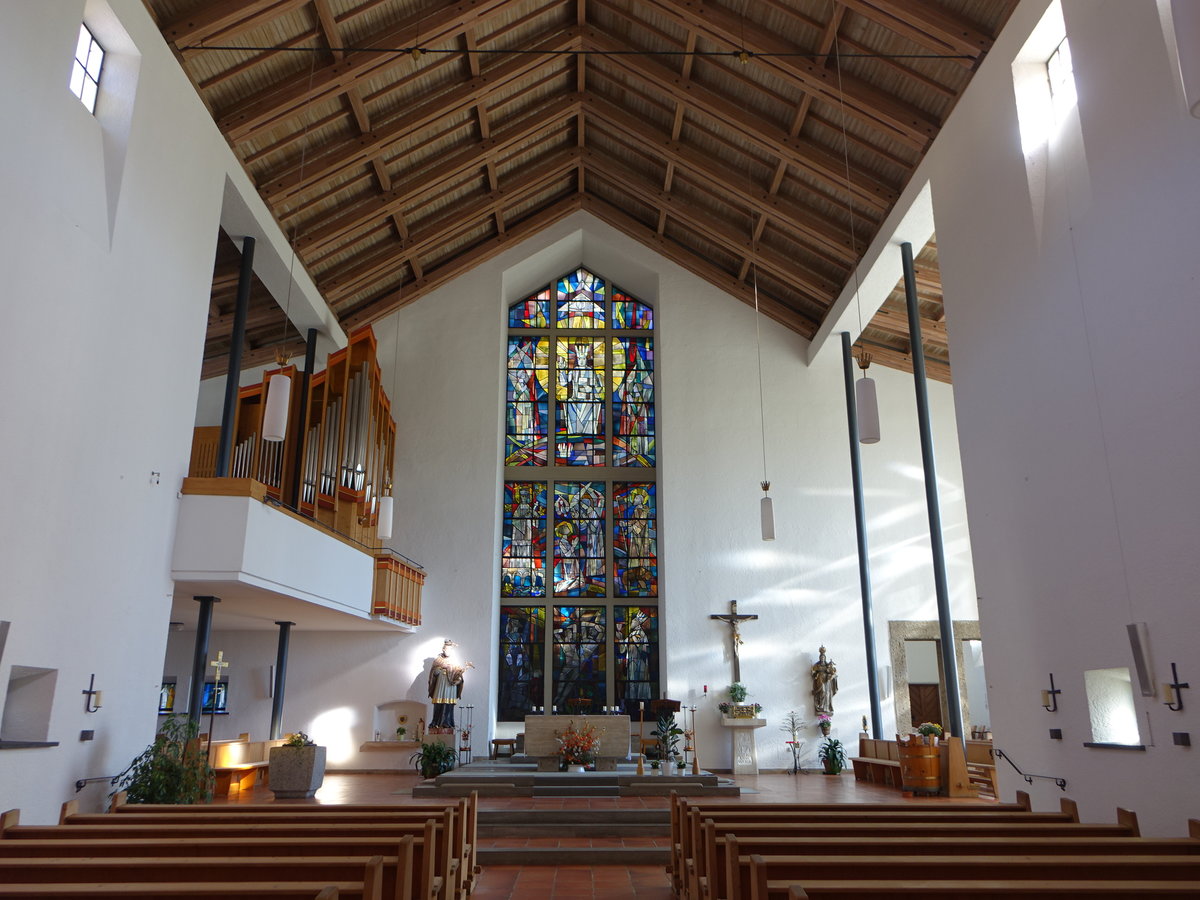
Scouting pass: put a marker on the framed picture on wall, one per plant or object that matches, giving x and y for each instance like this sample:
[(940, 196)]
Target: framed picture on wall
[(214, 700), (166, 696)]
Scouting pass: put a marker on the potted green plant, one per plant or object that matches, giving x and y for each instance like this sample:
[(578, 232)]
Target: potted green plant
[(931, 731), (668, 734), (433, 759), (832, 756), (656, 766), (296, 769), (680, 765), (400, 732), (173, 769)]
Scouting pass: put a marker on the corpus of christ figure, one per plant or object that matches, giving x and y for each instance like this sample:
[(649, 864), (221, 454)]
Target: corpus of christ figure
[(734, 620)]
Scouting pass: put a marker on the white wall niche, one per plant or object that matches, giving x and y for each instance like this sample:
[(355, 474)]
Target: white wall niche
[(27, 704), (1111, 708)]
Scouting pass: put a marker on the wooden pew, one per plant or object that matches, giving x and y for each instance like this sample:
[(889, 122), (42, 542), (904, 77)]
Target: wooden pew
[(410, 877), (443, 865), (466, 833), (956, 890), (878, 762), (359, 877), (692, 860), (730, 877), (771, 877), (697, 868), (287, 890), (680, 806)]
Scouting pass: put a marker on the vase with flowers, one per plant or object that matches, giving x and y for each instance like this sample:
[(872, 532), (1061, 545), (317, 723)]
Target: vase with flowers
[(577, 747), (931, 731), (824, 722)]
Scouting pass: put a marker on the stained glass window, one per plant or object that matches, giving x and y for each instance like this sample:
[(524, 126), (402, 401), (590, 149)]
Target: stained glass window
[(580, 415), (527, 410), (630, 313), (522, 661), (635, 647), (580, 300), (635, 540), (579, 539), (633, 401), (579, 436), (533, 312), (579, 658), (523, 554)]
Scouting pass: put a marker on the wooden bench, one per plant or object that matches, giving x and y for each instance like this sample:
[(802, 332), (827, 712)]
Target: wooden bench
[(508, 743), (237, 763), (957, 890), (981, 768), (878, 762), (771, 877), (353, 877), (444, 868), (682, 839), (288, 890), (464, 834), (730, 879)]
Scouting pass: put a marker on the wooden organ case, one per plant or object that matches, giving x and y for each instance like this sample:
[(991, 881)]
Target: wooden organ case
[(347, 442)]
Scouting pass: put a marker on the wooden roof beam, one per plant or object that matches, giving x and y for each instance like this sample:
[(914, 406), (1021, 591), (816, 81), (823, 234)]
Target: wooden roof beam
[(289, 96), (223, 20), (896, 322), (897, 359), (826, 167), (348, 278), (345, 220), (876, 108), (338, 155), (697, 265), (821, 290), (827, 239), (928, 25), (375, 309)]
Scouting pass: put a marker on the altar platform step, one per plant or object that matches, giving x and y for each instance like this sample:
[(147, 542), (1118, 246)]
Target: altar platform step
[(591, 837), (574, 856), (513, 780)]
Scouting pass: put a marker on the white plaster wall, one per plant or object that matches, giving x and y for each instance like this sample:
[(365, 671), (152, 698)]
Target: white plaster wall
[(108, 265), (1072, 321)]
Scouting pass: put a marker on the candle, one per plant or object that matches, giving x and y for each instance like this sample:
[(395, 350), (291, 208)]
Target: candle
[(706, 690), (1045, 698), (96, 700)]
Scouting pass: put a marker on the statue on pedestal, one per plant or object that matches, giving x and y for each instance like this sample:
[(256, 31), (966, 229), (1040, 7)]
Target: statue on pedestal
[(445, 688), (824, 679)]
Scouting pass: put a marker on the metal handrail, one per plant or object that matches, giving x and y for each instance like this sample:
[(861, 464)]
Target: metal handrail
[(84, 782), (997, 753)]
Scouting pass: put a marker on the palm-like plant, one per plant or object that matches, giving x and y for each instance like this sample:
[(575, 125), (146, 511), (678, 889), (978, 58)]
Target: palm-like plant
[(832, 756)]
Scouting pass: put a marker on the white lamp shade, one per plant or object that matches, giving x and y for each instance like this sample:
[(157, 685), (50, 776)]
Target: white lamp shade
[(767, 511), (868, 411), (279, 392), (384, 529)]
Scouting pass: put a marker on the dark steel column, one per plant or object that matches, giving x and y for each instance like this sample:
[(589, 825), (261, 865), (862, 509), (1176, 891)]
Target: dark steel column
[(200, 658), (860, 527), (945, 619), (234, 370), (281, 657), (301, 425)]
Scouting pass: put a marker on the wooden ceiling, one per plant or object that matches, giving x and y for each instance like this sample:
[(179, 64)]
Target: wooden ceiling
[(401, 142)]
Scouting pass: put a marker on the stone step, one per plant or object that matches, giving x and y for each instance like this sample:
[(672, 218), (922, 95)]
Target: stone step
[(574, 856), (579, 790), (576, 830), (552, 819)]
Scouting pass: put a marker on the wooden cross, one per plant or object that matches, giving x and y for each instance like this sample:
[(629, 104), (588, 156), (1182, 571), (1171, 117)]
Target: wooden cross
[(733, 620), (219, 663)]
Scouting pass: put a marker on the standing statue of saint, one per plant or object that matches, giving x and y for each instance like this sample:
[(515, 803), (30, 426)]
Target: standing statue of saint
[(445, 688), (824, 679)]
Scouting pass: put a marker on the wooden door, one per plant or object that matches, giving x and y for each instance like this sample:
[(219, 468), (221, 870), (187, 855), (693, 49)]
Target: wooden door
[(926, 703)]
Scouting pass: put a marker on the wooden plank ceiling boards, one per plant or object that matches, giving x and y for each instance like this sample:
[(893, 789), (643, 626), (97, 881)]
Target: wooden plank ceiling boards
[(401, 142)]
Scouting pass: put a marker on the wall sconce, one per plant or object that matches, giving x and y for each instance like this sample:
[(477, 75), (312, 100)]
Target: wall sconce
[(92, 699), (1174, 687), (1050, 697)]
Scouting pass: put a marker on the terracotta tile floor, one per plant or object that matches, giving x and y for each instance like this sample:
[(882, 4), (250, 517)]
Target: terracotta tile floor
[(573, 883)]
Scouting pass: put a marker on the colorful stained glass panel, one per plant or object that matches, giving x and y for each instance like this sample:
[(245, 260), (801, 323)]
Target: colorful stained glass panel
[(579, 539), (633, 402), (580, 300), (533, 312), (579, 670), (635, 539), (527, 413), (630, 313), (523, 549), (522, 661), (580, 393), (635, 648)]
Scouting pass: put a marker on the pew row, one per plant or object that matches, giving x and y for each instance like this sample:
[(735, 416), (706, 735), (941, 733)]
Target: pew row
[(284, 890), (353, 878), (958, 890)]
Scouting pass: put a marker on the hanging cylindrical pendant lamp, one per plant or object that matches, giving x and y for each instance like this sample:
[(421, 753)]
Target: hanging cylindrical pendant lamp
[(868, 411), (275, 417), (767, 513), (383, 529)]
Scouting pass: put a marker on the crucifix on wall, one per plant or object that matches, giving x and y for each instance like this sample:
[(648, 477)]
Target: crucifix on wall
[(734, 620)]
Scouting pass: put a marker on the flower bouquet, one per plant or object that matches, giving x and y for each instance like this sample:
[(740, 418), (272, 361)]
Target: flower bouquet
[(577, 746)]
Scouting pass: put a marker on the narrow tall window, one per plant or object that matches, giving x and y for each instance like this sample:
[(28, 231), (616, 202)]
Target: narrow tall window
[(580, 501), (1061, 75), (85, 71)]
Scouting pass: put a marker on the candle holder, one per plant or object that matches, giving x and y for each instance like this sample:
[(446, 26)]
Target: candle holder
[(91, 702), (1050, 697), (1175, 687)]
